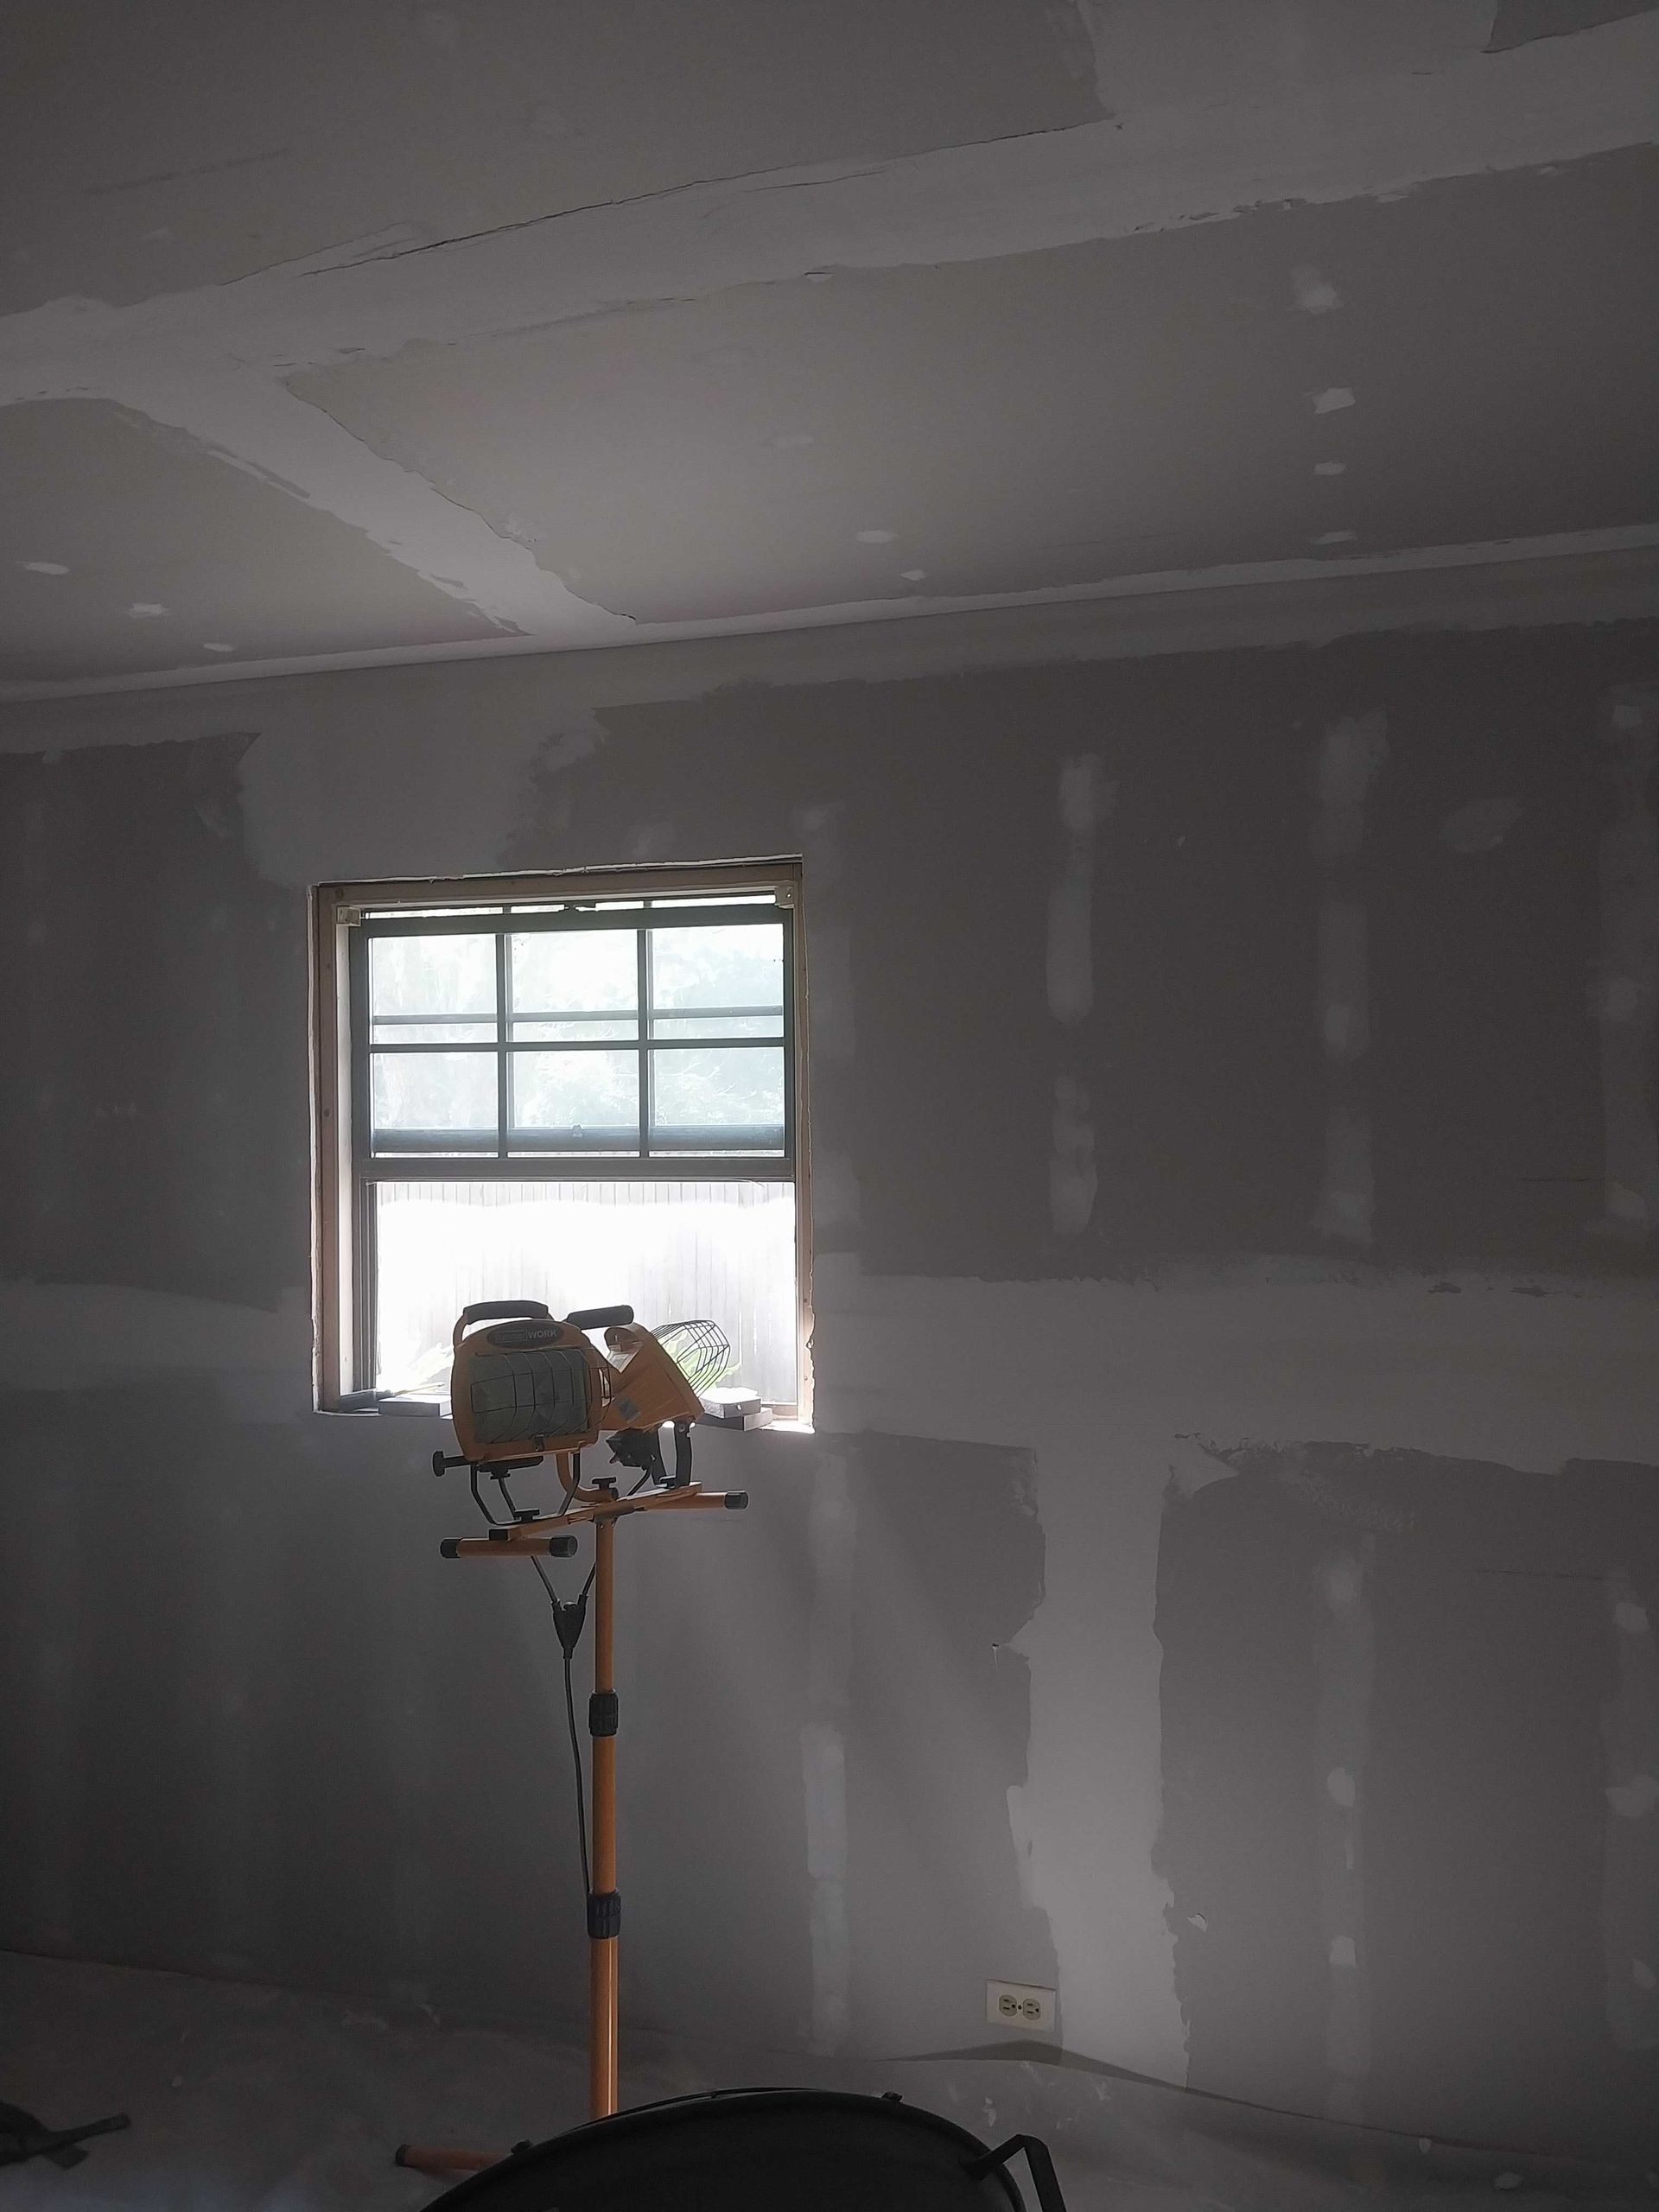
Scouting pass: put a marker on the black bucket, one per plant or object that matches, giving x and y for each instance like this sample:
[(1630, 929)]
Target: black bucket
[(762, 2151)]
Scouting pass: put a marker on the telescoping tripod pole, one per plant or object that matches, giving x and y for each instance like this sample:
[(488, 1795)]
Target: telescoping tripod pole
[(550, 1536)]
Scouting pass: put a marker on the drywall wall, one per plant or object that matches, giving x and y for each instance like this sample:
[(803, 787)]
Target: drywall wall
[(1233, 1086)]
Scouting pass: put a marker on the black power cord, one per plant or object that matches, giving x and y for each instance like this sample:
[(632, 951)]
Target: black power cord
[(568, 1621)]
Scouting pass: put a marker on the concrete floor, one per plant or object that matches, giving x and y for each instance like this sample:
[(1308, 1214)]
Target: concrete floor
[(243, 2096)]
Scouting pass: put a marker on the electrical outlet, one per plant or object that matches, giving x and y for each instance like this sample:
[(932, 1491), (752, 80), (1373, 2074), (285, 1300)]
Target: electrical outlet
[(1018, 2005)]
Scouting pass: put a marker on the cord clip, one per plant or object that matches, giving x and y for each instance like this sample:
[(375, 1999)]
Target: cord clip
[(604, 1914), (602, 1713)]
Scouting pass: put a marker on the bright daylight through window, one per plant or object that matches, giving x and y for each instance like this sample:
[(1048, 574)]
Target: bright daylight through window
[(585, 1091)]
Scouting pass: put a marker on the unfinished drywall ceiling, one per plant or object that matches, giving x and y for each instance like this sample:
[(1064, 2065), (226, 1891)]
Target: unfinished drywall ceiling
[(1519, 21), (1158, 403), (147, 547), (265, 135), (602, 324)]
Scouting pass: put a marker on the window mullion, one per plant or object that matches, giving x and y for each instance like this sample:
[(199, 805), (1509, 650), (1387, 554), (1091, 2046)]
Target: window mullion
[(362, 1061), (502, 1064), (642, 1002), (787, 920), (365, 1349), (362, 1198)]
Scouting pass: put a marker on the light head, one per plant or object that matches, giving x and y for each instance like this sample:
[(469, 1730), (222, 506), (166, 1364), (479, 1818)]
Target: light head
[(524, 1383)]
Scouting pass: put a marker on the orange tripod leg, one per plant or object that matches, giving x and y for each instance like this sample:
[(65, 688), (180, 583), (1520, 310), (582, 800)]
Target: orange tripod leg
[(604, 1905)]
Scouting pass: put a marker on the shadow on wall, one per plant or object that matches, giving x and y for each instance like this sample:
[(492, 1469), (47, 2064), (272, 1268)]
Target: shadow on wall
[(823, 1724), (152, 1133), (1410, 1727), (262, 1729)]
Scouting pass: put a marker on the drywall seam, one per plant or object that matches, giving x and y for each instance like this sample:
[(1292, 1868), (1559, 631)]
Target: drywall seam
[(1500, 584), (1352, 750), (1086, 799), (61, 1337), (254, 424), (1344, 1645), (1073, 1179)]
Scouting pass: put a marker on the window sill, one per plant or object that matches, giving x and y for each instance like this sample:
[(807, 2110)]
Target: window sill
[(419, 1405), (417, 1408)]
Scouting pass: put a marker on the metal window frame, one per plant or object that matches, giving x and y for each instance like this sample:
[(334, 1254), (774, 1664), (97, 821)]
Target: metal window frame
[(346, 1167)]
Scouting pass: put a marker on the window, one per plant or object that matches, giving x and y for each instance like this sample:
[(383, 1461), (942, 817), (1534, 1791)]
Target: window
[(582, 1089)]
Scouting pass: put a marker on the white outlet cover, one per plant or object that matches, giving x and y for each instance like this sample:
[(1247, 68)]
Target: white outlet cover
[(1020, 2005)]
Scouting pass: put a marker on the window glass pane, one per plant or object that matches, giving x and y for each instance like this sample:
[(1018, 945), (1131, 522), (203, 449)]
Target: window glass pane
[(730, 1101), (679, 1251), (585, 1102), (560, 981), (736, 970), (432, 976), (447, 1091)]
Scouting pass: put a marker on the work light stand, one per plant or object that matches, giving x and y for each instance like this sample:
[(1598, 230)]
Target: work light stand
[(531, 1536)]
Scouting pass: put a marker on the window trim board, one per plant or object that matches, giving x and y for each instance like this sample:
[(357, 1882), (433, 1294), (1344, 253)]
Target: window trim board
[(344, 1171)]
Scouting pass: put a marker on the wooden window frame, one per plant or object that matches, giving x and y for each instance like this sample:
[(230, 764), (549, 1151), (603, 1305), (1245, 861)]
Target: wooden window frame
[(337, 1239)]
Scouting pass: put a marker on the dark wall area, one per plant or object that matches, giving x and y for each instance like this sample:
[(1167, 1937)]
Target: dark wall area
[(1475, 1828), (155, 1108)]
